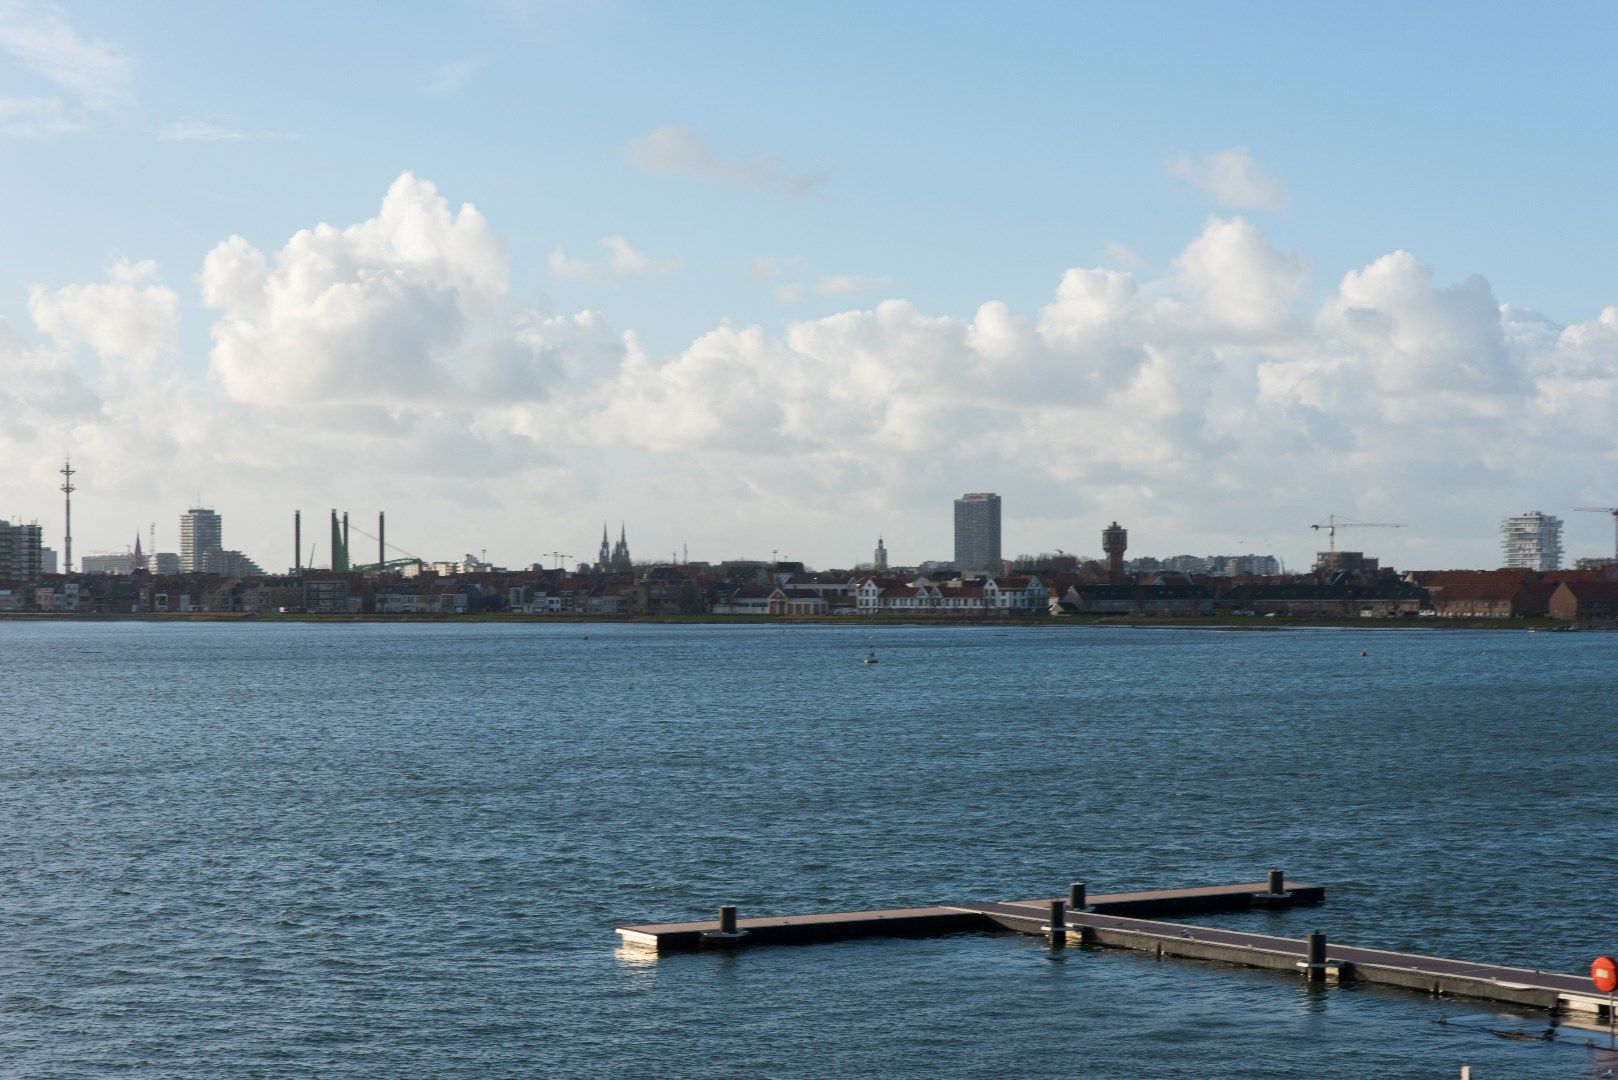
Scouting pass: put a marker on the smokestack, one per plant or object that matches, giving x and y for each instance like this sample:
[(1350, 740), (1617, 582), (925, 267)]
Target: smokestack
[(346, 548), (297, 541), (381, 537)]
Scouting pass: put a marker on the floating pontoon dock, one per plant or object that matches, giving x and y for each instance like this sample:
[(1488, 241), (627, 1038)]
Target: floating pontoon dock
[(1133, 921)]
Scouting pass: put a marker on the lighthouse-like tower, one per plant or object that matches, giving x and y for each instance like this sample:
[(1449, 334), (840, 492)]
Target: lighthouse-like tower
[(1114, 541)]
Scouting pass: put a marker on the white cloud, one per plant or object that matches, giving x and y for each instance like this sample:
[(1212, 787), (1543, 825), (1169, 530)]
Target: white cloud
[(403, 307), (199, 131), (1231, 179), (681, 151), (213, 131), (82, 78), (620, 261), (129, 317), (848, 284), (1217, 401)]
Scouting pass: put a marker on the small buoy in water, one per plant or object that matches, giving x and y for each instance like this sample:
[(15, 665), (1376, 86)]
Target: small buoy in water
[(587, 638), (1364, 653)]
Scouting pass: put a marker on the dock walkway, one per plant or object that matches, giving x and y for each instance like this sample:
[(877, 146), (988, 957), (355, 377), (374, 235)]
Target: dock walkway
[(1125, 921)]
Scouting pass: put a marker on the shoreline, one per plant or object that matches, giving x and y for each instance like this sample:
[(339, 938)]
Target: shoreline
[(1240, 623)]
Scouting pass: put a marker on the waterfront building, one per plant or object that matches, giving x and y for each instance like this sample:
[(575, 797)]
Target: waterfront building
[(21, 552), (201, 537), (1532, 541), (977, 531)]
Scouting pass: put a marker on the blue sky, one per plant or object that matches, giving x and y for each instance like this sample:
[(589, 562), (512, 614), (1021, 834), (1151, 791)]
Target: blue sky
[(821, 159)]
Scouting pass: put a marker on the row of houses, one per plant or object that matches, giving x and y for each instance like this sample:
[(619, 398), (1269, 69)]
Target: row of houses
[(789, 590)]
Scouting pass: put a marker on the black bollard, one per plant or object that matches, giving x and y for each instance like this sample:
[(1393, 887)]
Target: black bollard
[(1056, 936), (727, 919), (1317, 956), (1075, 896), (1278, 883)]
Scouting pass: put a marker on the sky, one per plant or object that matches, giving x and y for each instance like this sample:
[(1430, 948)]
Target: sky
[(757, 278)]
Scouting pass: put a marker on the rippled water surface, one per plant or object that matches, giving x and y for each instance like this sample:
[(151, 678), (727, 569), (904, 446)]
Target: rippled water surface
[(373, 850)]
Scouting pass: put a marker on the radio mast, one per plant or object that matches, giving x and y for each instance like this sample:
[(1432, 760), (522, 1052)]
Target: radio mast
[(67, 470)]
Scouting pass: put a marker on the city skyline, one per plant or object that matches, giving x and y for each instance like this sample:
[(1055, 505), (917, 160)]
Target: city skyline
[(1216, 323)]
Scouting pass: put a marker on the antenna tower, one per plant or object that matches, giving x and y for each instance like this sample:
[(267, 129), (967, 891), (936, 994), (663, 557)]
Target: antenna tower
[(68, 489)]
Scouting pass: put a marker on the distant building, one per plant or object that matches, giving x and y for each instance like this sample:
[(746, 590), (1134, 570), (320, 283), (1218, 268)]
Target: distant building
[(201, 537), (880, 562), (977, 531), (233, 564), (163, 562), (107, 564), (1352, 562), (1532, 541), (1115, 541), (618, 557), (21, 552), (47, 560)]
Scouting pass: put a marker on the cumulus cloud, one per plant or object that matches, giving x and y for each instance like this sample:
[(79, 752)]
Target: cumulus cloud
[(77, 79), (620, 261), (1218, 399), (405, 306), (1231, 179), (131, 316), (681, 151)]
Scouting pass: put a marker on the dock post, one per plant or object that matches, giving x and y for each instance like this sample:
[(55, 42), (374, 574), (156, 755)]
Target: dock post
[(727, 934), (1275, 893), (1075, 896), (1316, 969), (1056, 929)]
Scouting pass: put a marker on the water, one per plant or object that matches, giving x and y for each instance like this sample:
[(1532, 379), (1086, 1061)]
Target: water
[(373, 850)]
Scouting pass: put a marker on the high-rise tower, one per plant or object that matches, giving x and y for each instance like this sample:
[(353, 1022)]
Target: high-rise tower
[(977, 532), (1532, 541), (880, 562), (201, 539)]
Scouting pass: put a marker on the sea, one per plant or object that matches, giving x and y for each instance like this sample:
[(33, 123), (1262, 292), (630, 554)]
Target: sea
[(379, 850)]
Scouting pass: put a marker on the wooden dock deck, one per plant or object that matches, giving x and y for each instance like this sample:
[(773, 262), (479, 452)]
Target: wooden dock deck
[(950, 919), (1121, 920)]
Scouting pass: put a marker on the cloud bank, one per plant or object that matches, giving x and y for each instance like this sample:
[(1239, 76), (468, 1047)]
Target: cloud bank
[(1227, 400)]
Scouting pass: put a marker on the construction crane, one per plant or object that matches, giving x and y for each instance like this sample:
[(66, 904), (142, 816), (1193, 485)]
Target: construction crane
[(1333, 523), (558, 556), (1613, 510)]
